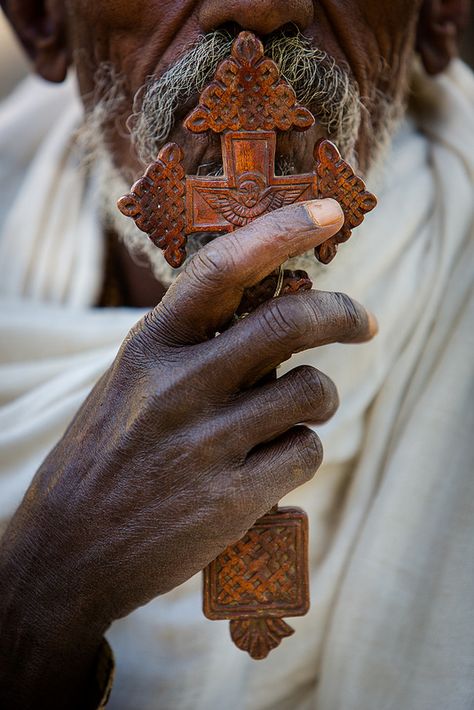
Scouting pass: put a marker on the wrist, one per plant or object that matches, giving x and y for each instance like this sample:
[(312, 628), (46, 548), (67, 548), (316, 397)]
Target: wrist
[(48, 641)]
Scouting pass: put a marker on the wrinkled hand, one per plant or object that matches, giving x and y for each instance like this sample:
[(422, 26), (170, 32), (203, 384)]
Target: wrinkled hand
[(180, 448)]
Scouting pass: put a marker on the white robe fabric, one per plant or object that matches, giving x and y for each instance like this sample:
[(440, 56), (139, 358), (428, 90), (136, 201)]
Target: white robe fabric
[(391, 624)]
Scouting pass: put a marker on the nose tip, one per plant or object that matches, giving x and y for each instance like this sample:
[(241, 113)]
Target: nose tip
[(259, 16)]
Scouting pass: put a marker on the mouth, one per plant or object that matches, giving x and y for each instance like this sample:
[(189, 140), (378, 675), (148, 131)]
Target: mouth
[(171, 97)]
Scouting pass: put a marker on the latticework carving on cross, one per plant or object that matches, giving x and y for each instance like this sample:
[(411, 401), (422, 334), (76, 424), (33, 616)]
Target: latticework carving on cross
[(263, 577), (248, 94)]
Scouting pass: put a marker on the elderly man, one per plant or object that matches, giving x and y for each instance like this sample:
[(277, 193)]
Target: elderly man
[(179, 446)]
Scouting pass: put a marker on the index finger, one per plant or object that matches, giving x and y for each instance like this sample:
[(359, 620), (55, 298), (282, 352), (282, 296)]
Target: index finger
[(209, 290)]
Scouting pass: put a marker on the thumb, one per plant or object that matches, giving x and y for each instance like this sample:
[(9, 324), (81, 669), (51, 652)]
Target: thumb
[(209, 290)]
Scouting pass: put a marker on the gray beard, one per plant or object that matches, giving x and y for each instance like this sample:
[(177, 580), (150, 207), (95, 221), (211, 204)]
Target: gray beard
[(327, 89)]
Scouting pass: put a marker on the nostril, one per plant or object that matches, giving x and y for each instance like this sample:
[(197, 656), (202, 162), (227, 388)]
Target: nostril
[(260, 16), (287, 30), (231, 28)]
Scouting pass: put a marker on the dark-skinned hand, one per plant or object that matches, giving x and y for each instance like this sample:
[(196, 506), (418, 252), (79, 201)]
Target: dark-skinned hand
[(178, 449)]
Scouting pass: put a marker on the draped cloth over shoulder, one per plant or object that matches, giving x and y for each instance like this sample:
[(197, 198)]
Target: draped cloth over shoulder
[(391, 509)]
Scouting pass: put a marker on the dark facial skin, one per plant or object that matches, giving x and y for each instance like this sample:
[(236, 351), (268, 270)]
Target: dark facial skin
[(174, 454), (375, 39)]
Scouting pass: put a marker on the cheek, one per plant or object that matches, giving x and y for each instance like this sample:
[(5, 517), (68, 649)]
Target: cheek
[(114, 14), (104, 31), (372, 36), (392, 21), (134, 37), (134, 17)]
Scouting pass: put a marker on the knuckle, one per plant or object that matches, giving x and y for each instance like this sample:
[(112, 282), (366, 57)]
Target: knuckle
[(350, 313), (310, 452), (211, 265), (236, 500), (281, 318), (319, 391), (277, 222), (133, 348), (154, 328), (312, 382), (129, 343), (144, 337)]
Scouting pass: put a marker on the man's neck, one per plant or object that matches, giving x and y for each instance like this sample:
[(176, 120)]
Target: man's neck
[(136, 284)]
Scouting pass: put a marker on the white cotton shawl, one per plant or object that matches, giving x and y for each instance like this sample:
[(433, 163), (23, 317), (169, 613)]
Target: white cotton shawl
[(392, 508)]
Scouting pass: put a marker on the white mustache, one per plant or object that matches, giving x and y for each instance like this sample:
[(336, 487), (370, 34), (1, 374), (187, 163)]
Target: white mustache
[(327, 89)]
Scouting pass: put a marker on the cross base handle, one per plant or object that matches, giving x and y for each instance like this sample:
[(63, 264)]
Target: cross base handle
[(259, 636), (260, 579)]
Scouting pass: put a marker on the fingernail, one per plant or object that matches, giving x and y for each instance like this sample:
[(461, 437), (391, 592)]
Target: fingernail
[(373, 324), (324, 212)]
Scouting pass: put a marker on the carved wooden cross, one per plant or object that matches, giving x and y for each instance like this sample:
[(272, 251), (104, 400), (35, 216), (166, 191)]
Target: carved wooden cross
[(263, 577), (246, 103)]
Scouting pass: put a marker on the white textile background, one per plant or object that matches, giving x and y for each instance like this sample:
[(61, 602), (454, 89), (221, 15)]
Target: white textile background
[(392, 508)]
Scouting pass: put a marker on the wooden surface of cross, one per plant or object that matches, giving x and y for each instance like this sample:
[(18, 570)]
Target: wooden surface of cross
[(249, 187), (262, 578)]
